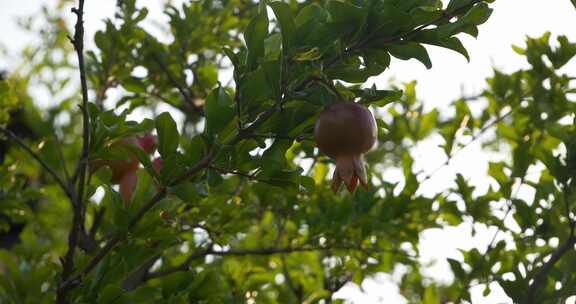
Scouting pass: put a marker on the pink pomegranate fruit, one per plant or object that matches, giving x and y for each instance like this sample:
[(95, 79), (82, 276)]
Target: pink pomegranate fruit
[(129, 181), (345, 131), (148, 143)]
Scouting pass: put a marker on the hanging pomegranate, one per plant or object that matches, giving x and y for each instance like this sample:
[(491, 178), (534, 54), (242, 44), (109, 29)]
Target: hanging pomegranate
[(345, 131)]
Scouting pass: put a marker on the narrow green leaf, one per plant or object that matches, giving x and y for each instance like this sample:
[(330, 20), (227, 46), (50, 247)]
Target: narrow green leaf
[(254, 35), (411, 50), (219, 111), (168, 136), (286, 20)]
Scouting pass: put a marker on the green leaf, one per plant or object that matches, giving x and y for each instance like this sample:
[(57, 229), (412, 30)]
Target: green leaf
[(522, 159), (308, 183), (172, 167), (434, 38), (254, 35), (478, 14), (454, 5), (110, 294), (219, 111), (376, 60), (411, 50), (286, 20), (377, 97), (347, 18), (427, 124), (387, 19), (186, 191), (457, 269), (274, 157), (207, 75), (133, 84), (168, 136), (120, 216)]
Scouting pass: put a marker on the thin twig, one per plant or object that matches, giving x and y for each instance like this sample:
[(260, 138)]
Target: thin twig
[(475, 137), (98, 217), (139, 275), (61, 156), (297, 291), (329, 85), (403, 36), (540, 276), (74, 280), (238, 108), (187, 98), (185, 266), (42, 163), (235, 172)]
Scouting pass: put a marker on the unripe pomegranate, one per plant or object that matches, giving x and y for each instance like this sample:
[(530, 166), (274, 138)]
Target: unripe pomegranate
[(345, 131)]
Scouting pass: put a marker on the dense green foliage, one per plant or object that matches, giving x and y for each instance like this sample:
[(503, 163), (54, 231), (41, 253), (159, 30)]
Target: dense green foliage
[(237, 214)]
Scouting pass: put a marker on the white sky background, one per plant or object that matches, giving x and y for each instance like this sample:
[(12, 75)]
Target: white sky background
[(450, 77)]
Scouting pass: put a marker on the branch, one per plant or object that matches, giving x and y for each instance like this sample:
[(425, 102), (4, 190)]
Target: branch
[(541, 275), (297, 291), (88, 241), (329, 85), (182, 267), (403, 36), (42, 163), (475, 137), (76, 279), (204, 163), (187, 98), (237, 102), (61, 156), (235, 172), (139, 275), (185, 266), (80, 173)]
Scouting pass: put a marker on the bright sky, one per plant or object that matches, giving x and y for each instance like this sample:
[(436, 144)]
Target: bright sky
[(451, 76)]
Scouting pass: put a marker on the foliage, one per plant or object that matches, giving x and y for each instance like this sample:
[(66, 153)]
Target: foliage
[(235, 215)]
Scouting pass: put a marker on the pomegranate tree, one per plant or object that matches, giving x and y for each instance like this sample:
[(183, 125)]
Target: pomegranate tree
[(345, 131)]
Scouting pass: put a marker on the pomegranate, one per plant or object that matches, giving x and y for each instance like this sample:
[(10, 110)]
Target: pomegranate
[(157, 164), (129, 181), (128, 185), (148, 143), (345, 131)]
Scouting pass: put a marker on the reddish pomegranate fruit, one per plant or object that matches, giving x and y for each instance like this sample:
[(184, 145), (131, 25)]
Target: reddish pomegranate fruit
[(148, 143), (129, 181), (157, 164), (128, 185), (345, 131)]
